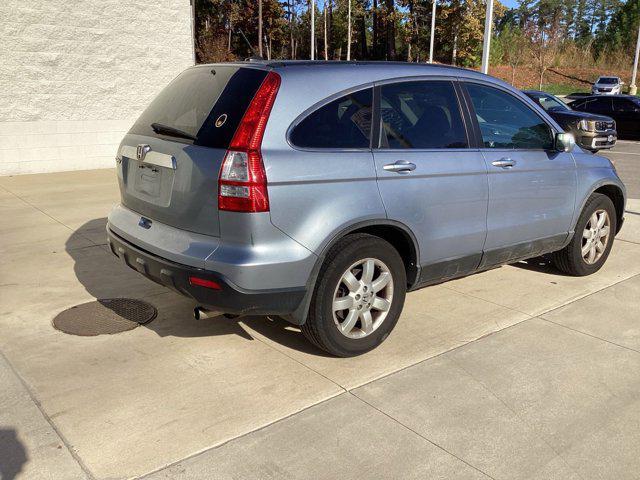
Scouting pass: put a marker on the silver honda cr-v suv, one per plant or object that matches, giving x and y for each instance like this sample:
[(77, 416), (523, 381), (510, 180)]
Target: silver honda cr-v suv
[(323, 191)]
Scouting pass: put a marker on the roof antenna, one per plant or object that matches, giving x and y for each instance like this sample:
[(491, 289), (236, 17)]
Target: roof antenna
[(254, 56)]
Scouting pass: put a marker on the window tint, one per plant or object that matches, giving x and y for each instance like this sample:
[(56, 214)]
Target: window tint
[(593, 104), (577, 105), (624, 105), (343, 123), (507, 122), (197, 98), (421, 115), (600, 104)]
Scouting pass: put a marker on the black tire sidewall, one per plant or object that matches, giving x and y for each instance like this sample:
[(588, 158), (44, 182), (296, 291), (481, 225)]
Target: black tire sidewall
[(595, 203), (367, 247)]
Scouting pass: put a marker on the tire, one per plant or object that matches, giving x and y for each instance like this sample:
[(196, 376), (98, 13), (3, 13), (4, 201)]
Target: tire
[(570, 259), (330, 330)]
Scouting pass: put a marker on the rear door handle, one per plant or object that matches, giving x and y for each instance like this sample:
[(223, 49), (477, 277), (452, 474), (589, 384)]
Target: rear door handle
[(401, 166), (504, 163)]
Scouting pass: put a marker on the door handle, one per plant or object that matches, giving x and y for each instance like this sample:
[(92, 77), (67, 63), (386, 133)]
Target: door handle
[(504, 163), (401, 166)]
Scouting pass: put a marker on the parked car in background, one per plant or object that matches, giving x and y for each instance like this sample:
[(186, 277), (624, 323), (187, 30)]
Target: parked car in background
[(624, 109), (323, 191), (592, 132), (607, 86)]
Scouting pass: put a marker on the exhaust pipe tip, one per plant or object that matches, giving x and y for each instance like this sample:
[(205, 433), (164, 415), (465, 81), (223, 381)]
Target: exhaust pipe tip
[(200, 313)]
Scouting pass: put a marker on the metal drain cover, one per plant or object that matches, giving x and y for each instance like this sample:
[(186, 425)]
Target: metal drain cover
[(105, 317)]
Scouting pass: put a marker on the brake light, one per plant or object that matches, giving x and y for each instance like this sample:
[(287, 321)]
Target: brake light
[(242, 184)]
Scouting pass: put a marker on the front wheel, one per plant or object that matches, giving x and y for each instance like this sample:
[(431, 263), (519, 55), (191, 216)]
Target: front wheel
[(592, 240), (358, 297)]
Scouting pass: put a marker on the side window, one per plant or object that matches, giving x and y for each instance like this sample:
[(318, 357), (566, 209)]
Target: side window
[(507, 122), (624, 105), (601, 104), (592, 104), (343, 123), (578, 104), (421, 115)]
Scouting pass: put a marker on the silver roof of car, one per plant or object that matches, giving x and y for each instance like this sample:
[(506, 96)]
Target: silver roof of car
[(377, 69)]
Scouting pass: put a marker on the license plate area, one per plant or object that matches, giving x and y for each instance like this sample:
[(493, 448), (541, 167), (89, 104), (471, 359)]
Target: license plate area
[(151, 183)]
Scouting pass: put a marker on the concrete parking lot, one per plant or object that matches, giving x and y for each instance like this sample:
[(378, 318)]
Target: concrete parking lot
[(515, 373)]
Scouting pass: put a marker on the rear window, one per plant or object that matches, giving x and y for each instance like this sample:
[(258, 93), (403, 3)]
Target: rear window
[(204, 102), (343, 123)]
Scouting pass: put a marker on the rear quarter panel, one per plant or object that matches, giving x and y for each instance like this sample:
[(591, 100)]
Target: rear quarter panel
[(314, 194)]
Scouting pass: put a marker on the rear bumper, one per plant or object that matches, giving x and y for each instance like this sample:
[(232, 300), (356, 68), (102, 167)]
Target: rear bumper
[(228, 299)]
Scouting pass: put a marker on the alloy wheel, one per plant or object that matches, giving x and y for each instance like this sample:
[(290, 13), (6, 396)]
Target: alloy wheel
[(362, 298), (595, 236)]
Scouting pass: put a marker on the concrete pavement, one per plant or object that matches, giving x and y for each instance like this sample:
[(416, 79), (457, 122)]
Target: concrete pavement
[(626, 156), (519, 372)]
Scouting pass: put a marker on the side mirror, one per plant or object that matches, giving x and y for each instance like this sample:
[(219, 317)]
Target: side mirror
[(565, 142)]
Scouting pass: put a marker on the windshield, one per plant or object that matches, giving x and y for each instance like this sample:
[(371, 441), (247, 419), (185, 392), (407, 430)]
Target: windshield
[(550, 103), (607, 80), (202, 105)]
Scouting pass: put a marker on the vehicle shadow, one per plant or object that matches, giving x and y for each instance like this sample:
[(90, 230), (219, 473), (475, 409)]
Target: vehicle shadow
[(542, 264), (104, 276), (13, 455)]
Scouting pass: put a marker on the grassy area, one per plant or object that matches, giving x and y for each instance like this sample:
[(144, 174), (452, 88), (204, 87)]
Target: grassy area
[(561, 89)]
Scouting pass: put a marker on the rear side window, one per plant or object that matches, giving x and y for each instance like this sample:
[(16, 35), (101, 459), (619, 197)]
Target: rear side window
[(421, 115), (599, 104), (507, 122), (624, 105), (342, 123), (203, 102)]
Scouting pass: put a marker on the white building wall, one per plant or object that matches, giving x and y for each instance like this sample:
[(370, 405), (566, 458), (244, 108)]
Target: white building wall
[(75, 74)]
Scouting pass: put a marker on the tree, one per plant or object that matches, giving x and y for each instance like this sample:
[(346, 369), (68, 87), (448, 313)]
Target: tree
[(567, 32), (621, 31), (390, 29), (543, 31), (513, 45), (461, 26), (349, 31), (260, 40)]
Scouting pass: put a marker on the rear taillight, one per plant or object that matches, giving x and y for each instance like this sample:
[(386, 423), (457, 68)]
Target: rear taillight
[(242, 185)]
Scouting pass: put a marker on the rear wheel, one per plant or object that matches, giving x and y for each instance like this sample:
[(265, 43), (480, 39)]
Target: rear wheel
[(358, 297), (593, 239)]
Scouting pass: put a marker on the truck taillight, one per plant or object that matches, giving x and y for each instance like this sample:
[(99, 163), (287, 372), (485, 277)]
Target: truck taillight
[(242, 185)]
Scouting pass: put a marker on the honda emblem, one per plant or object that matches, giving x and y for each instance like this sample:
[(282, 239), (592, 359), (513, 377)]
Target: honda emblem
[(141, 151)]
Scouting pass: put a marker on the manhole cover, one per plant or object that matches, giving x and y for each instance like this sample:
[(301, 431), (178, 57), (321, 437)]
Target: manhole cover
[(105, 316)]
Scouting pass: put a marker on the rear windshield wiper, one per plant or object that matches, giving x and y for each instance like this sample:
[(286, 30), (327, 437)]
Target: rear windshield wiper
[(171, 131)]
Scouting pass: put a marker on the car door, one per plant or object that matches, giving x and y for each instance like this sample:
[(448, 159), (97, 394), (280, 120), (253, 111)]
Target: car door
[(595, 104), (600, 105), (532, 186), (626, 113), (428, 176)]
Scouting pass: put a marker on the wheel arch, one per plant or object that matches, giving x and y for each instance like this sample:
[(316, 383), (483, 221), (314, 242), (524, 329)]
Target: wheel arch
[(615, 193), (396, 233)]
